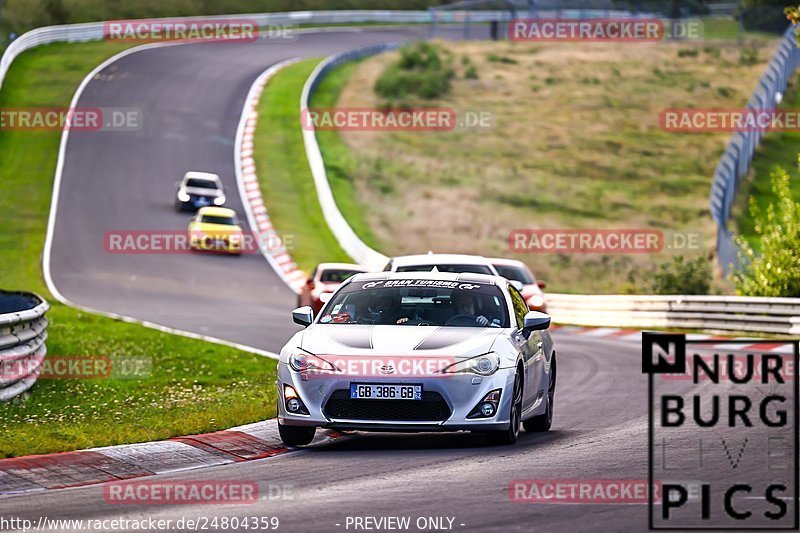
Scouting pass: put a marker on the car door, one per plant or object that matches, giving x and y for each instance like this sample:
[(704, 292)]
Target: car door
[(529, 344)]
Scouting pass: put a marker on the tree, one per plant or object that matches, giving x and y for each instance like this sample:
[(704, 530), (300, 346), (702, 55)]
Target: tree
[(776, 270)]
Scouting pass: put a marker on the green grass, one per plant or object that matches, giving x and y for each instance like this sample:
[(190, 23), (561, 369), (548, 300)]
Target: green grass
[(777, 149), (283, 173), (193, 387), (339, 160)]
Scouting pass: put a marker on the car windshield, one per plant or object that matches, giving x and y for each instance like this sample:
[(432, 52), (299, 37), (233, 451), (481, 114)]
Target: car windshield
[(515, 274), (214, 219), (418, 302), (454, 268), (336, 275), (201, 184)]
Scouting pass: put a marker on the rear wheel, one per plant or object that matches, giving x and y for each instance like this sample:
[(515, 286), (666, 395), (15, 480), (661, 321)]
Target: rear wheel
[(543, 422), (296, 435), (509, 436)]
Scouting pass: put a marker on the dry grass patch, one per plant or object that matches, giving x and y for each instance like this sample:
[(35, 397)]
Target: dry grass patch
[(576, 143)]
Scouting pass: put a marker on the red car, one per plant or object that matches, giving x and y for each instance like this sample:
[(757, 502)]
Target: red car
[(322, 283), (514, 270)]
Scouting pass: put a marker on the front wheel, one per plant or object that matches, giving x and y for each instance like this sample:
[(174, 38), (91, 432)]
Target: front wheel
[(509, 436), (296, 435), (543, 422)]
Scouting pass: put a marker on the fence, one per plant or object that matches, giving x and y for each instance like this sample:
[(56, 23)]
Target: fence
[(735, 162), (23, 331)]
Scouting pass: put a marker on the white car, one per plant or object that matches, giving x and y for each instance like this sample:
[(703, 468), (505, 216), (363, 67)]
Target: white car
[(457, 263), (418, 351), (197, 190)]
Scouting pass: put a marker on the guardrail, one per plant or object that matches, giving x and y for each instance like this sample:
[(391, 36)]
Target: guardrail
[(710, 313), (347, 238), (23, 332), (95, 30), (735, 162)]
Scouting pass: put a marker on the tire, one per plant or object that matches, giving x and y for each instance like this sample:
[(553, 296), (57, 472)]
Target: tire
[(509, 436), (296, 435), (543, 422)]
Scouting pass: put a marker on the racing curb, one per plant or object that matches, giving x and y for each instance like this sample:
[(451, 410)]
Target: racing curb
[(633, 335), (271, 245), (115, 463)]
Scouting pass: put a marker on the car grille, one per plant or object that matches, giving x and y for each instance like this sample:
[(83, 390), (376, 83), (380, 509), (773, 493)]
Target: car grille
[(432, 408)]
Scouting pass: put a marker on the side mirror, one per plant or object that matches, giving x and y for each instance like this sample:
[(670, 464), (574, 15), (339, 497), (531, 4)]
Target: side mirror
[(305, 316), (517, 285), (536, 321), (541, 284)]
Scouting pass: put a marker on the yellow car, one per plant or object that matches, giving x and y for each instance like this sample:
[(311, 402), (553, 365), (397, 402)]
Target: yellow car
[(215, 229)]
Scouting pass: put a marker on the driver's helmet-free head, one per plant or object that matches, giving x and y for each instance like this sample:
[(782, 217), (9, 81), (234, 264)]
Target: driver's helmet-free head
[(464, 303), (384, 307)]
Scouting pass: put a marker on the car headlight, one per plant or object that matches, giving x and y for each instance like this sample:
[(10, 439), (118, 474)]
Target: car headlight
[(303, 361), (219, 200), (183, 197), (483, 365), (537, 300)]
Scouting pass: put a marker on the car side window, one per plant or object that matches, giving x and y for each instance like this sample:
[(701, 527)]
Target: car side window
[(520, 307), (388, 267)]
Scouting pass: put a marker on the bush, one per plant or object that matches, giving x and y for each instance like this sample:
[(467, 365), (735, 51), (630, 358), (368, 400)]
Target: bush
[(471, 73), (682, 276), (420, 72), (776, 270)]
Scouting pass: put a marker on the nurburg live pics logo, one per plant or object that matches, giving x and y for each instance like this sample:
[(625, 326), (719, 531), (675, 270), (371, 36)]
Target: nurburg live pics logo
[(734, 432)]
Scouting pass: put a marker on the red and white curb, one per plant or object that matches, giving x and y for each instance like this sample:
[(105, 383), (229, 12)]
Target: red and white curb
[(725, 343), (271, 245), (115, 463)]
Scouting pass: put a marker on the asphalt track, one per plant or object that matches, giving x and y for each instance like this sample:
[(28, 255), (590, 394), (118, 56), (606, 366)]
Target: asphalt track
[(192, 97)]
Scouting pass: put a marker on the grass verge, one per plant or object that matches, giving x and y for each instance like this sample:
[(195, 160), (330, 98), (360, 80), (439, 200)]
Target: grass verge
[(192, 386), (283, 173), (575, 142)]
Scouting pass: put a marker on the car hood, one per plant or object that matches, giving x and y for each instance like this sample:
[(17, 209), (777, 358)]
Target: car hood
[(200, 191), (346, 339)]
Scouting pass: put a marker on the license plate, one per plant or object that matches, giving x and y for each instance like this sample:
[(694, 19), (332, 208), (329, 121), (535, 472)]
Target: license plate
[(372, 391), (201, 202)]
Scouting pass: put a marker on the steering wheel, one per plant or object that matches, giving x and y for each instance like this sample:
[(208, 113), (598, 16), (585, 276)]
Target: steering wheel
[(461, 320)]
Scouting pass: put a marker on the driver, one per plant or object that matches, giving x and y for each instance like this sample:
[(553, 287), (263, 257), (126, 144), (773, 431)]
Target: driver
[(386, 310), (464, 304)]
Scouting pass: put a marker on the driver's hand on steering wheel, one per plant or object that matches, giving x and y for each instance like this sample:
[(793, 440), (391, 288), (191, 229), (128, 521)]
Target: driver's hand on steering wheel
[(402, 320), (482, 320)]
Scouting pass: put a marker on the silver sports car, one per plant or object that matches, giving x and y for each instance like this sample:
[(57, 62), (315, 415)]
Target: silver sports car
[(418, 351)]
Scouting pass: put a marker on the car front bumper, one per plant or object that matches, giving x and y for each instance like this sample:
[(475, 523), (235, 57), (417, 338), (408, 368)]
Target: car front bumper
[(460, 393)]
